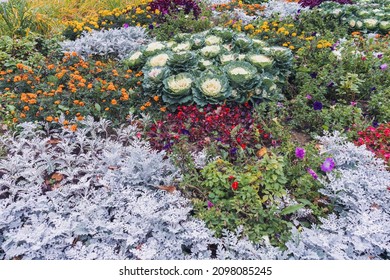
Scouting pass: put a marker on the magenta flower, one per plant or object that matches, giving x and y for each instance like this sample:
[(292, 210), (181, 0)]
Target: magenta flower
[(300, 152), (328, 165), (209, 204), (126, 25), (312, 173), (383, 66), (308, 96)]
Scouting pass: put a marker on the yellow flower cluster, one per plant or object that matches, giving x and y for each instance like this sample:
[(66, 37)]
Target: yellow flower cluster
[(323, 44)]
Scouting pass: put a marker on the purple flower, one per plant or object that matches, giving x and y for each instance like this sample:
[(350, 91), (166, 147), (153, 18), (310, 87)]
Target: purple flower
[(353, 103), (380, 56), (312, 173), (151, 26), (383, 66), (125, 25), (330, 84), (300, 152), (373, 88), (209, 204), (375, 124), (308, 96), (317, 106), (328, 165), (313, 75)]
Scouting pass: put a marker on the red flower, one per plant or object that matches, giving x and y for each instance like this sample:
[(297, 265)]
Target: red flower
[(235, 185), (231, 177)]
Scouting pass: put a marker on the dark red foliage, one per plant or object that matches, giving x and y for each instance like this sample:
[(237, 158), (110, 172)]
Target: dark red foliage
[(174, 6), (377, 140), (314, 3), (230, 128)]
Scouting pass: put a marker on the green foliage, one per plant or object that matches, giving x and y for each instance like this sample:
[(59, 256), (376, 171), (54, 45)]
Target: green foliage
[(244, 205), (379, 105), (30, 50), (181, 23), (17, 18)]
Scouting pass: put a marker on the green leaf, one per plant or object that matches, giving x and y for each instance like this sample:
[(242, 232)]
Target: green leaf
[(63, 108), (97, 107), (291, 209), (304, 201)]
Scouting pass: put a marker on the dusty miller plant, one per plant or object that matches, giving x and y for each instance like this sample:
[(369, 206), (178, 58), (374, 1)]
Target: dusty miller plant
[(359, 228), (94, 194), (281, 9), (113, 43)]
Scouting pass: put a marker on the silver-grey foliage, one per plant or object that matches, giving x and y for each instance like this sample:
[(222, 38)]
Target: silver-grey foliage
[(360, 226), (114, 43), (103, 203)]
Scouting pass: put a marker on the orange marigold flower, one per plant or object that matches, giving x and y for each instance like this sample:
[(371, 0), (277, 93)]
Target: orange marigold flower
[(73, 127), (49, 118), (57, 102), (148, 104), (143, 108), (80, 118), (114, 102), (107, 109), (26, 108), (65, 122), (156, 98), (163, 109)]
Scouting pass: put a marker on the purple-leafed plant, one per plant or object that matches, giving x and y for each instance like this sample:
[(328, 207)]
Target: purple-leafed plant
[(314, 3), (175, 6)]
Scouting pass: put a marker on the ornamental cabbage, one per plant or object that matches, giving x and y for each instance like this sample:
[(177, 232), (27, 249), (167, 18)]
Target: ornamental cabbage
[(183, 61), (158, 60), (134, 60), (259, 60), (225, 34), (185, 46), (370, 23), (177, 88), (228, 57), (154, 48), (211, 89), (241, 74), (242, 43), (384, 26), (212, 40), (153, 80), (211, 51)]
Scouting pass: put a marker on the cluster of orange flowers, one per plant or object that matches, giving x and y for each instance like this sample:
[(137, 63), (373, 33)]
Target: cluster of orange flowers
[(148, 104), (73, 87), (250, 9)]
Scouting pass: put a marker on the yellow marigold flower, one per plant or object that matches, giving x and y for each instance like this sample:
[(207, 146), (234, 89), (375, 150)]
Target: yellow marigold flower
[(285, 45), (291, 47), (294, 34)]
